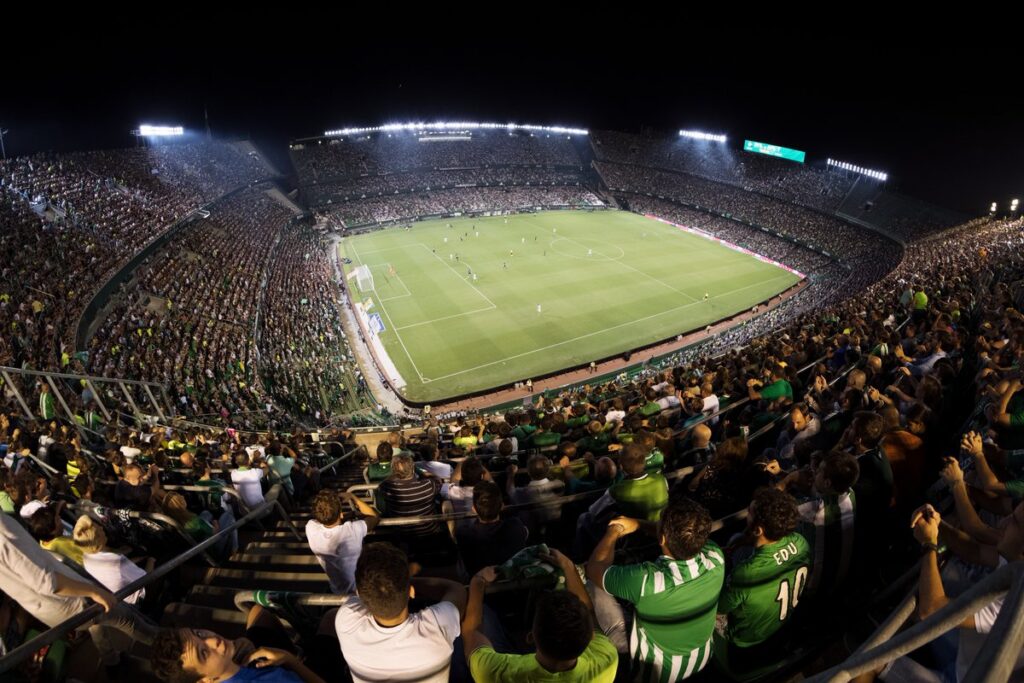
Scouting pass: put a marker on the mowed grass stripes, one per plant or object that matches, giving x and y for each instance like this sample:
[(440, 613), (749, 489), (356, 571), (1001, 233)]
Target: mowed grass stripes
[(606, 282)]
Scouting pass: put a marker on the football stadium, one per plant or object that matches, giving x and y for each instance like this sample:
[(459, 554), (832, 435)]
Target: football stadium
[(707, 378)]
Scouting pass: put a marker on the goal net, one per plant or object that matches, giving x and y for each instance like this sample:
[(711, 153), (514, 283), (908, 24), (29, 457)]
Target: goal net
[(364, 279)]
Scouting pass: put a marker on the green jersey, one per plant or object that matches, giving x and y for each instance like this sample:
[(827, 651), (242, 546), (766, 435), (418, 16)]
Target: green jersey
[(642, 498), (762, 591), (597, 664), (676, 602), (777, 389)]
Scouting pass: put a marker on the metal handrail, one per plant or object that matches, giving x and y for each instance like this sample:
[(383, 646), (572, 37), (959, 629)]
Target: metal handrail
[(26, 649), (997, 656), (65, 375)]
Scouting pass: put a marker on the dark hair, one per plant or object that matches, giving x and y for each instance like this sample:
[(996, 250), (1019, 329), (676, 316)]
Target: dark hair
[(165, 655), (384, 451), (868, 428), (562, 626), (42, 523), (327, 506), (487, 501), (538, 466), (382, 580), (775, 512), (685, 526), (472, 471), (841, 470), (632, 459)]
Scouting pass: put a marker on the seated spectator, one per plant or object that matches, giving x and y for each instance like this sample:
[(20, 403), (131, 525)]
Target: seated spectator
[(827, 518), (381, 640), (53, 593), (764, 588), (47, 528), (804, 425), (725, 483), (337, 541), (113, 570), (133, 492), (640, 494), (489, 539), (540, 492), (699, 450), (406, 495), (564, 631), (266, 653), (603, 474), (674, 598), (467, 474), (379, 468), (174, 505)]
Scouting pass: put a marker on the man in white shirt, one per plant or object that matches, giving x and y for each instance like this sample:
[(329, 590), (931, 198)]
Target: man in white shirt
[(380, 639), (335, 541), (52, 592), (247, 481)]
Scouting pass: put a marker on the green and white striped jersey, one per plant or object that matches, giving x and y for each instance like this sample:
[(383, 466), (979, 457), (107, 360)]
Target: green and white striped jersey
[(827, 524), (675, 601)]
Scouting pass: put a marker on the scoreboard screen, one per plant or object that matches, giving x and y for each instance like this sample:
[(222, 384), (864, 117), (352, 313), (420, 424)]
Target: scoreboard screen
[(774, 151)]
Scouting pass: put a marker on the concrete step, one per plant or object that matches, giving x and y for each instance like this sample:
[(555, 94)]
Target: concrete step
[(249, 579)]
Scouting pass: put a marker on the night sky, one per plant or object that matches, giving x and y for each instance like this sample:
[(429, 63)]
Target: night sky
[(947, 124)]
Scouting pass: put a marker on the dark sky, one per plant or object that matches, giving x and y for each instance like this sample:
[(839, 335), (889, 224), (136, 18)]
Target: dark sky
[(947, 124)]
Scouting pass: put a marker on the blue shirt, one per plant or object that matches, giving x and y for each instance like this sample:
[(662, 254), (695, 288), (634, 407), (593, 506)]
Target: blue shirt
[(270, 674)]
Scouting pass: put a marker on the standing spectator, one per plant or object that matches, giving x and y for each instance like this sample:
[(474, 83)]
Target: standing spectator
[(335, 541)]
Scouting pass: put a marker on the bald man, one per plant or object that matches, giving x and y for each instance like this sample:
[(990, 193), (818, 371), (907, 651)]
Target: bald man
[(699, 452)]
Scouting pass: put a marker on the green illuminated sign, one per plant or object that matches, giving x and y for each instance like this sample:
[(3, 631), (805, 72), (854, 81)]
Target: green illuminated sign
[(774, 151)]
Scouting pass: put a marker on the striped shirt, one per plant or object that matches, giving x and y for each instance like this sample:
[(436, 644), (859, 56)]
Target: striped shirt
[(676, 602), (827, 524), (411, 498)]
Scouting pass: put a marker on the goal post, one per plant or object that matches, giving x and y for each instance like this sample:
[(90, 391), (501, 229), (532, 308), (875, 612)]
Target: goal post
[(364, 279)]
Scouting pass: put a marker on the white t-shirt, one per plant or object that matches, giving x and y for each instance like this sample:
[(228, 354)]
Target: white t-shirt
[(115, 572), (28, 575), (419, 649), (460, 496), (130, 453), (613, 415), (337, 549), (247, 482), (441, 470)]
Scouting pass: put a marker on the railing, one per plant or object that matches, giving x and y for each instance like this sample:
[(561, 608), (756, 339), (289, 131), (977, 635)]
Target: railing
[(995, 659), (90, 382), (26, 649)]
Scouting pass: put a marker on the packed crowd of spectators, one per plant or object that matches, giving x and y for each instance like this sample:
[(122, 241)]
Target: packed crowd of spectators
[(462, 200), (836, 451), (425, 181), (71, 220), (305, 360), (333, 159), (191, 318), (810, 227), (820, 188)]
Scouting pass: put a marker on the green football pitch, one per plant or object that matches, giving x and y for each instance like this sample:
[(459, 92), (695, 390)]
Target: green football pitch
[(604, 281)]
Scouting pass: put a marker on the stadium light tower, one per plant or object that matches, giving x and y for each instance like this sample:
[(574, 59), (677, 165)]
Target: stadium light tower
[(3, 150), (1014, 205)]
